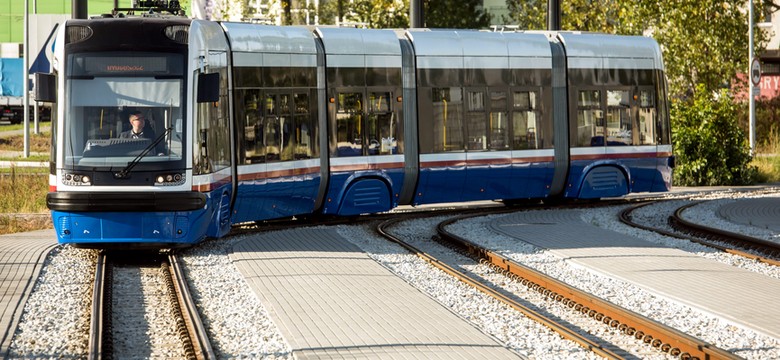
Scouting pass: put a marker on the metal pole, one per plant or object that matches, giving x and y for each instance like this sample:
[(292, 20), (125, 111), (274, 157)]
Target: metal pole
[(37, 128), (554, 15), (416, 18), (752, 101), (78, 9), (26, 79)]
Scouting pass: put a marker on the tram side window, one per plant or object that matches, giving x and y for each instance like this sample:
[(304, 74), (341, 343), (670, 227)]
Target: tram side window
[(213, 136), (251, 119), (525, 121), (647, 118), (619, 123), (277, 127), (349, 132), (382, 125), (664, 132), (447, 119), (498, 122), (590, 119), (475, 120), (303, 136)]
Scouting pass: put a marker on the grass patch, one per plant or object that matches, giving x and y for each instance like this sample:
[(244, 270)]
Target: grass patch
[(38, 143), (767, 158), (32, 157), (25, 171), (23, 193), (23, 204), (12, 223)]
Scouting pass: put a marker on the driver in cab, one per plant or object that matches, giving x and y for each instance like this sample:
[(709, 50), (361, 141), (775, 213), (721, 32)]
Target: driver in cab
[(140, 131)]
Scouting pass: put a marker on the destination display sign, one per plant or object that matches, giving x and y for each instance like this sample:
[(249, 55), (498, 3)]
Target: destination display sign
[(121, 64)]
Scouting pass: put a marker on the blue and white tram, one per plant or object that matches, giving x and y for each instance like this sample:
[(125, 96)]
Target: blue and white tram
[(257, 122)]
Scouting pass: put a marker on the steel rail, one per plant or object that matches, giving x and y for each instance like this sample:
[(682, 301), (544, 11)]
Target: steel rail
[(626, 218), (658, 335), (747, 242), (96, 329), (196, 331), (561, 329)]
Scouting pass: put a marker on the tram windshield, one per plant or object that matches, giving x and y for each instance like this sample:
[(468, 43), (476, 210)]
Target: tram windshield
[(120, 104)]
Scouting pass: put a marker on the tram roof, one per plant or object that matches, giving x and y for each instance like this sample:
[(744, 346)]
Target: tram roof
[(478, 43), (245, 37), (590, 45), (351, 41)]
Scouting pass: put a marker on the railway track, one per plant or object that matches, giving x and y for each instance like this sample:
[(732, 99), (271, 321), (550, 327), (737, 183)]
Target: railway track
[(121, 293), (633, 325), (732, 243)]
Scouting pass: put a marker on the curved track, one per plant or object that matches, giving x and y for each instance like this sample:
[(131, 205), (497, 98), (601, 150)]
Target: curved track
[(194, 339), (559, 327), (729, 242), (657, 335)]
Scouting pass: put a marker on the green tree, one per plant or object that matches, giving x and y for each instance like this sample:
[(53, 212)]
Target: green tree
[(455, 14), (709, 146), (380, 14), (703, 42), (610, 16)]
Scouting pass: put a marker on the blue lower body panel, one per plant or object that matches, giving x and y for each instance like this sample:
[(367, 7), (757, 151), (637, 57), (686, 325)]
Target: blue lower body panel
[(363, 192), (618, 177), (265, 199), (485, 182), (140, 229)]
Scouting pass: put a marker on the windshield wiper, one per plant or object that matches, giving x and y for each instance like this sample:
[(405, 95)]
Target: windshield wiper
[(124, 174)]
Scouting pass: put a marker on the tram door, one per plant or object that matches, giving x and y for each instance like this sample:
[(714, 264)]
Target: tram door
[(286, 133), (488, 155), (366, 123), (645, 137)]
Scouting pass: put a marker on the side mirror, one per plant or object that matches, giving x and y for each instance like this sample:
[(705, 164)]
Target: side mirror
[(208, 88), (45, 88)]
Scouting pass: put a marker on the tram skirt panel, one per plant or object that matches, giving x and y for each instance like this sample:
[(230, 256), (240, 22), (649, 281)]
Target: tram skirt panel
[(365, 196), (604, 181)]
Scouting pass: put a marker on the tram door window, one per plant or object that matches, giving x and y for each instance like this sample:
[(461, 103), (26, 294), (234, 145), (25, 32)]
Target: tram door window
[(647, 117), (590, 119), (278, 127), (251, 117), (303, 137), (498, 122), (381, 124), (475, 120), (525, 120), (618, 119), (349, 127), (213, 134), (447, 119)]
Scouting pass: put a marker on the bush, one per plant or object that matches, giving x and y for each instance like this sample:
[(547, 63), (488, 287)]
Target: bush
[(709, 146)]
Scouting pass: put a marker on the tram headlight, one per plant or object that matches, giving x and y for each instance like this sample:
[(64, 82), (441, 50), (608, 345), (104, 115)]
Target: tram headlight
[(76, 179), (169, 179)]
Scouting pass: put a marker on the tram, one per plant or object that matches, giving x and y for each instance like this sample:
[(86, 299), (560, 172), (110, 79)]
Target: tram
[(253, 122)]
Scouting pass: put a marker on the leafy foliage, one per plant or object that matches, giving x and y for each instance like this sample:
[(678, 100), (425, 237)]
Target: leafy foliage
[(614, 17), (709, 145), (380, 13), (455, 14), (704, 42)]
